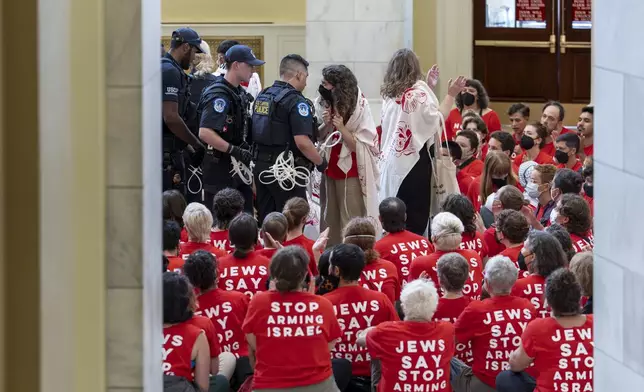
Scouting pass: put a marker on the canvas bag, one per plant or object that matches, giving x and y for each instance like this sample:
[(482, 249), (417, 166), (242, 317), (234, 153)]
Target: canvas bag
[(443, 182)]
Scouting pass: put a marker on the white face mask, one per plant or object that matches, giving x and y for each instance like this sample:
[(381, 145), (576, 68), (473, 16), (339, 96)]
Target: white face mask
[(553, 216), (489, 202), (532, 190)]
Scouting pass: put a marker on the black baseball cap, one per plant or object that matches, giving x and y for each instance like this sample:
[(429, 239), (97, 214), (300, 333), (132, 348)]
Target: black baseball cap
[(243, 54), (189, 36)]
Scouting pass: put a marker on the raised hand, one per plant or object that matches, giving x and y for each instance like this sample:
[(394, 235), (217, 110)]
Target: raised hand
[(454, 87), (433, 76)]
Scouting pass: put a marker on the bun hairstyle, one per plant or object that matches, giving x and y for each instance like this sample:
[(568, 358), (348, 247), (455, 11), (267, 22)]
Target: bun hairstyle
[(296, 210), (361, 231), (289, 267)]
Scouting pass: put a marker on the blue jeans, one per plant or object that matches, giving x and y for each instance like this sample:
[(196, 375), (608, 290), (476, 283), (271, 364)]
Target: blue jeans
[(509, 381)]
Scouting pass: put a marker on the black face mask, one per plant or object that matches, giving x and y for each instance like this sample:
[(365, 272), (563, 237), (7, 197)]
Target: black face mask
[(521, 262), (588, 189), (561, 157), (500, 182), (468, 99), (326, 94), (526, 142)]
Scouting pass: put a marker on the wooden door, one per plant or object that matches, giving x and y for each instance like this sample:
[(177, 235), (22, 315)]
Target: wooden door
[(574, 48)]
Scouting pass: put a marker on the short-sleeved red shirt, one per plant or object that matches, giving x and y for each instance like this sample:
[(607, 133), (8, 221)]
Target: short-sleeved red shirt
[(491, 244), (563, 357), (474, 241), (357, 309), (293, 331), (187, 248), (401, 248), (226, 310), (449, 309), (533, 288), (381, 275), (178, 342), (306, 244), (414, 356), (248, 275), (207, 326)]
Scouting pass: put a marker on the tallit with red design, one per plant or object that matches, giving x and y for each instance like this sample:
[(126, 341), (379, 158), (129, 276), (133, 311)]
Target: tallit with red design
[(362, 126), (408, 122)]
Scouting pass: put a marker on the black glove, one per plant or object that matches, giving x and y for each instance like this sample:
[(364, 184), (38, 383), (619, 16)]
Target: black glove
[(196, 158), (244, 156), (322, 166)]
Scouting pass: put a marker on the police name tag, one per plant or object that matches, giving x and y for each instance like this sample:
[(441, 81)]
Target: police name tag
[(303, 109), (262, 108), (220, 105)]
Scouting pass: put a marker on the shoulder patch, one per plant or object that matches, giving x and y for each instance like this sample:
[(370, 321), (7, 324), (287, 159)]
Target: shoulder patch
[(303, 109), (220, 105)]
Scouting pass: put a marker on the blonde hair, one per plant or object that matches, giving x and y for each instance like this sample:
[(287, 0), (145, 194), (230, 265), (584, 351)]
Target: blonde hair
[(447, 231), (198, 221), (204, 63), (497, 163)]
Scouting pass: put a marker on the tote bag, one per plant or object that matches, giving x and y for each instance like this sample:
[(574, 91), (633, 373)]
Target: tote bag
[(443, 182)]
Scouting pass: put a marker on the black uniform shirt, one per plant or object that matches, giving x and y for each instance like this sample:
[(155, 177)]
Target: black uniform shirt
[(217, 112), (300, 116), (174, 83)]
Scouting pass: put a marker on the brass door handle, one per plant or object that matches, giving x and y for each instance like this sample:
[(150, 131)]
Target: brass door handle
[(553, 44), (515, 44), (562, 43)]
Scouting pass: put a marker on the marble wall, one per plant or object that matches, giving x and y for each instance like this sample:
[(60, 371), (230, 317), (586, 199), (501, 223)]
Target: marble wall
[(618, 90), (361, 34)]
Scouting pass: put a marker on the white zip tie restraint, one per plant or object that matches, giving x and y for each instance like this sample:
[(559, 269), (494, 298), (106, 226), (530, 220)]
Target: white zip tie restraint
[(244, 172), (285, 173), (195, 173)]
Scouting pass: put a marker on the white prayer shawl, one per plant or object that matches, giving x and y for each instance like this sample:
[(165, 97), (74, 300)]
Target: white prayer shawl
[(254, 86), (362, 126), (408, 122)]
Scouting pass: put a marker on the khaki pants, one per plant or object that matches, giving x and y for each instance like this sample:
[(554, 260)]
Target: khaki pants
[(340, 200), (327, 385)]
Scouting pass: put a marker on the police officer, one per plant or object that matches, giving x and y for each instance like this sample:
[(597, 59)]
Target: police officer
[(176, 100), (225, 122), (283, 120)]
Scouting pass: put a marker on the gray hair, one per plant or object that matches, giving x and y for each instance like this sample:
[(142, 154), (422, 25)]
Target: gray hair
[(419, 300), (452, 270), (447, 231), (548, 253), (500, 275)]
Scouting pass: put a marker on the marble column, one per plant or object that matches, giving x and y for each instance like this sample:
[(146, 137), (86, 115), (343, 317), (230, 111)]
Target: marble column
[(618, 90), (361, 34)]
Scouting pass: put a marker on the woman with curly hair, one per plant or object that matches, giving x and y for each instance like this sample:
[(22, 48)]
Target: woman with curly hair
[(411, 122), (573, 213), (350, 185), (472, 97), (227, 204)]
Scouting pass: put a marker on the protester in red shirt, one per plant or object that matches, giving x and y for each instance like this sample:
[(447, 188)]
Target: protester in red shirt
[(552, 118), (414, 354), (183, 342), (296, 211), (539, 188), (519, 115), (585, 130), (474, 98), (174, 204), (582, 266), (446, 235), (503, 142), (226, 310), (198, 221), (472, 236), (453, 271), (511, 229), (532, 143), (275, 225), (357, 309), (226, 205), (244, 270), (291, 333), (573, 213), (494, 326), (563, 237), (171, 237), (399, 246), (506, 198), (559, 347), (497, 173), (567, 146), (378, 274), (472, 122), (542, 254), (468, 167)]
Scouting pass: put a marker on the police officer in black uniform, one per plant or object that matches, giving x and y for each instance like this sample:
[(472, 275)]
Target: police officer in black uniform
[(225, 126), (176, 100), (284, 120)]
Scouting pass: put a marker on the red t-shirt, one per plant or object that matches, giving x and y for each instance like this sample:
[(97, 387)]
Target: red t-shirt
[(248, 275), (588, 150), (206, 325), (184, 235), (267, 252), (454, 120), (474, 193), (575, 168), (449, 310), (494, 326), (563, 357), (381, 275), (306, 244), (187, 248), (474, 282), (176, 264), (513, 254), (357, 309), (293, 332), (590, 202), (414, 356), (178, 342), (582, 242), (533, 288), (220, 240), (466, 175), (543, 158), (474, 242), (491, 244), (226, 310), (333, 171), (401, 248)]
